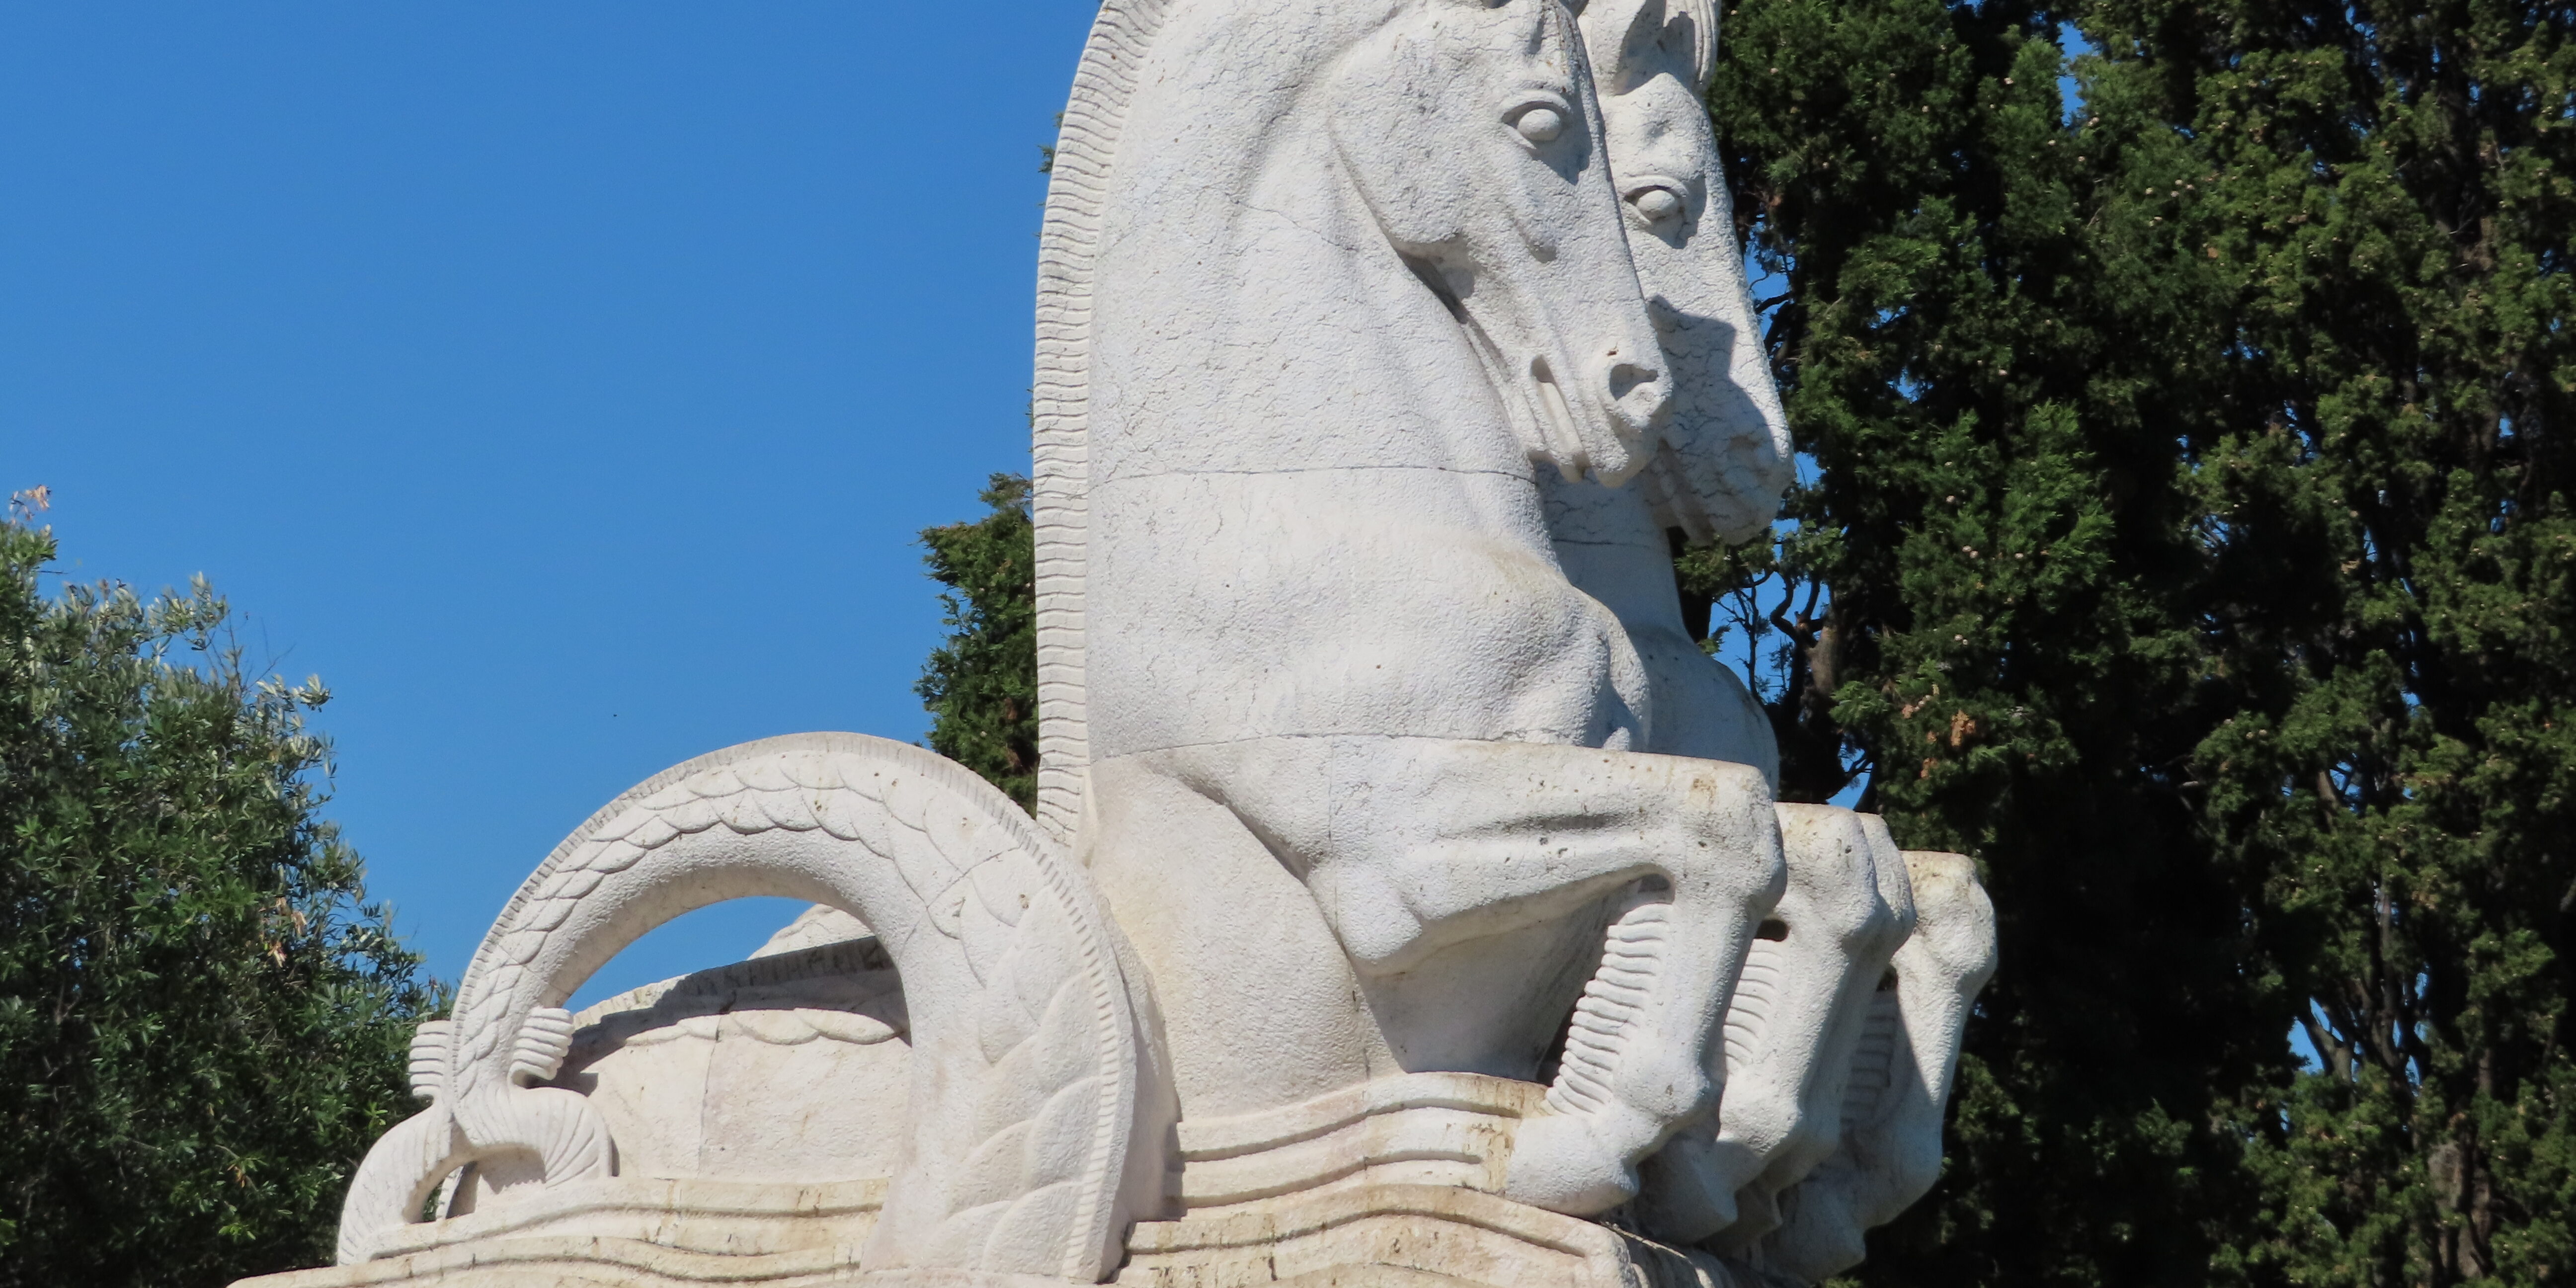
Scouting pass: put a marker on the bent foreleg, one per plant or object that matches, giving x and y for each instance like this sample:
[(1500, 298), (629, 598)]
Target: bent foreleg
[(1890, 1151), (1797, 1012), (1411, 845)]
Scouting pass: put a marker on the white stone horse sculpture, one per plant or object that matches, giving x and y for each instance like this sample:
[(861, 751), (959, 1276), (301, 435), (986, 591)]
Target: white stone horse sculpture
[(1381, 344), (1329, 288), (1896, 1086)]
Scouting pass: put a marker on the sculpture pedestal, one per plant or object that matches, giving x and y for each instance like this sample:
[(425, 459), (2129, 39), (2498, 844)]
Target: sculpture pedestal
[(977, 1093), (1392, 1183), (1403, 1236), (635, 1233)]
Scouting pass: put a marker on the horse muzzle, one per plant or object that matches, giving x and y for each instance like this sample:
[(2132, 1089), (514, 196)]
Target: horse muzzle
[(1605, 421)]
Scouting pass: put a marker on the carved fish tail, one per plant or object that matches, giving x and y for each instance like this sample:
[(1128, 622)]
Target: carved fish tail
[(569, 1134), (1020, 1144), (395, 1180)]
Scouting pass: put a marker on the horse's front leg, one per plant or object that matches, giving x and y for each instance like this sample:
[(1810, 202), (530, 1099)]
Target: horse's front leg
[(1412, 844)]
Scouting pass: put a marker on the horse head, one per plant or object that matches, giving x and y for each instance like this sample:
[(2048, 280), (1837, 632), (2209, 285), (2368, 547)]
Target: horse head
[(1471, 133), (1726, 453)]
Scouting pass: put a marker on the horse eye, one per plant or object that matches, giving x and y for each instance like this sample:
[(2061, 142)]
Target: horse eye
[(1656, 204), (1540, 125)]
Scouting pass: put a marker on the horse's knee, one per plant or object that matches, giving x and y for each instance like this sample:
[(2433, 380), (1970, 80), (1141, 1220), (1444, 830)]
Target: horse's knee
[(1378, 928), (1758, 1119), (1686, 1093), (1726, 835), (1842, 887)]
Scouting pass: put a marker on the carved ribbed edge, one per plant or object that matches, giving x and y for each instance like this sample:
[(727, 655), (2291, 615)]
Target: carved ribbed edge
[(667, 1200), (1060, 447), (619, 836), (1435, 1205)]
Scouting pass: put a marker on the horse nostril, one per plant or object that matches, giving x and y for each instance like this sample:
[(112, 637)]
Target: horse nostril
[(1640, 398), (1626, 377)]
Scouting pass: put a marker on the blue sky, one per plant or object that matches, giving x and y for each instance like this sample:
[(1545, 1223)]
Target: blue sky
[(564, 383)]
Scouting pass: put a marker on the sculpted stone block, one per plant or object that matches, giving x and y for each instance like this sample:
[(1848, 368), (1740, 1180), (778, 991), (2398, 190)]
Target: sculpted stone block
[(792, 1064), (1407, 901)]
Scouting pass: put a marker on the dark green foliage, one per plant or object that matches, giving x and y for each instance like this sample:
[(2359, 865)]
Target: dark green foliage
[(2189, 542), (202, 1024), (2384, 491), (981, 686), (1990, 612)]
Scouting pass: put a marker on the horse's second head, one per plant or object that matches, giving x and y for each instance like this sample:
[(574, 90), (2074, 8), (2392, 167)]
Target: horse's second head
[(1471, 133), (1729, 443)]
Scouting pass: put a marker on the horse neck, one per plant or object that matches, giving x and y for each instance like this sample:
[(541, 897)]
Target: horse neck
[(1159, 292), (1261, 323)]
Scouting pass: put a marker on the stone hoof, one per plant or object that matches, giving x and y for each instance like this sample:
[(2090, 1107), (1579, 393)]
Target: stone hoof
[(1686, 1198), (1561, 1162)]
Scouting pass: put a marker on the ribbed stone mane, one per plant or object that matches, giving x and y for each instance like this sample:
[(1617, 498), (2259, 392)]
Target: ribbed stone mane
[(1076, 196)]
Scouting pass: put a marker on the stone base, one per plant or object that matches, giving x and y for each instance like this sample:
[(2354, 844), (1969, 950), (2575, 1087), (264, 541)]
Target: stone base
[(635, 1232), (662, 1234), (1402, 1236), (1394, 1183)]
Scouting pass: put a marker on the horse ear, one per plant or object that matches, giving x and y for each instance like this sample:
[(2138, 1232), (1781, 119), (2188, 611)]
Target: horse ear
[(1691, 33), (1630, 42), (1613, 32)]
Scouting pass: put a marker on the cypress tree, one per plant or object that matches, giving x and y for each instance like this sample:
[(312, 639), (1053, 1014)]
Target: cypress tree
[(1983, 603), (2386, 215), (2186, 539)]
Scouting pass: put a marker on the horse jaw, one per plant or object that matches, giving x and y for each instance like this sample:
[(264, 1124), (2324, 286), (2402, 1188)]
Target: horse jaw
[(1494, 189)]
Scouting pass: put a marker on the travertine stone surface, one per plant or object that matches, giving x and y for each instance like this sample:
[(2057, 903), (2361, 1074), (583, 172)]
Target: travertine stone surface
[(791, 1065), (1888, 1152), (1339, 640), (1407, 901), (1408, 1236)]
